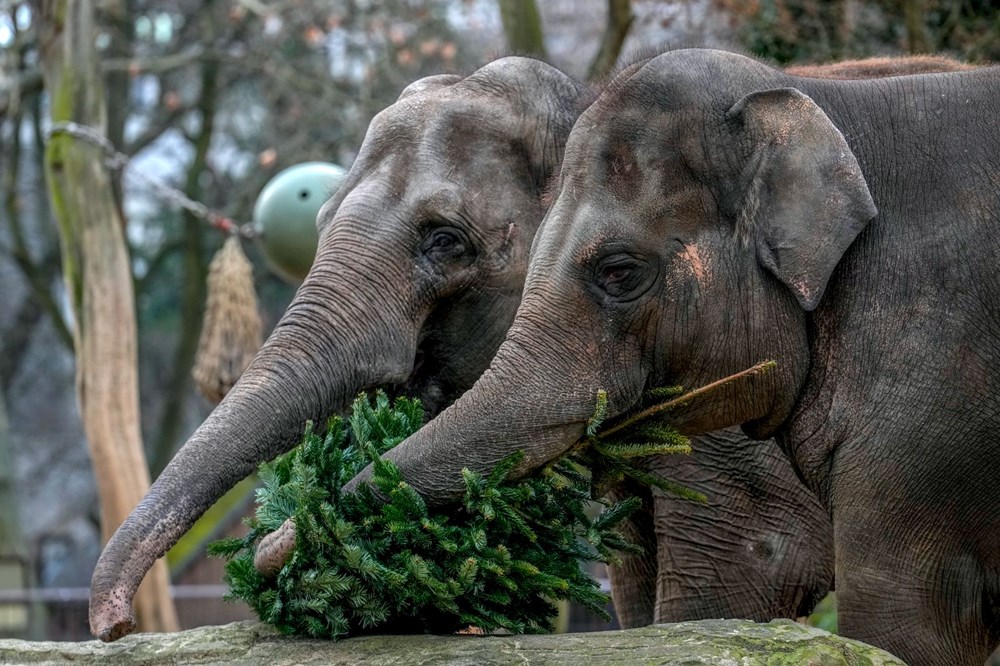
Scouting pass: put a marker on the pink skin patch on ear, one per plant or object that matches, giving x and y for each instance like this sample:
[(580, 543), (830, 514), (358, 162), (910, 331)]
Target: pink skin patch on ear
[(691, 256), (803, 288)]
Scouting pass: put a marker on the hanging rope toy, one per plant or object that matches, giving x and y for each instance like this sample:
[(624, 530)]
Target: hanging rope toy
[(231, 331)]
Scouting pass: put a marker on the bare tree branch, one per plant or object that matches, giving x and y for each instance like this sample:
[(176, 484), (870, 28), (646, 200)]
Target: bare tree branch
[(158, 64), (18, 334), (195, 272), (168, 120), (37, 274), (17, 88)]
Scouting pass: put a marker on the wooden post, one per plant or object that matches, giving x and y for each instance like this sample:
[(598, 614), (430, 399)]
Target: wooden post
[(99, 283)]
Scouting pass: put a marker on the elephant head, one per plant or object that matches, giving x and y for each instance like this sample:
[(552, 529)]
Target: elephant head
[(418, 274), (702, 207)]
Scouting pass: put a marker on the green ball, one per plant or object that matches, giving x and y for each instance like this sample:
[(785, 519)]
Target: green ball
[(285, 215)]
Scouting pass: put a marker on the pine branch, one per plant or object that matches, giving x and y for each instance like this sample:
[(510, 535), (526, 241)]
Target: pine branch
[(760, 368), (496, 561), (361, 564)]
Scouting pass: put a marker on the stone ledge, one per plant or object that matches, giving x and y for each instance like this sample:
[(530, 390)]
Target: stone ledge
[(709, 642)]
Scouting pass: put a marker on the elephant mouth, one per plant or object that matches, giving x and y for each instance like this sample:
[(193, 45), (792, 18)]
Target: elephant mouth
[(425, 384)]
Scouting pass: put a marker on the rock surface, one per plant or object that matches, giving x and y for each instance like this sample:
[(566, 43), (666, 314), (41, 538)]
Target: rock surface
[(715, 642)]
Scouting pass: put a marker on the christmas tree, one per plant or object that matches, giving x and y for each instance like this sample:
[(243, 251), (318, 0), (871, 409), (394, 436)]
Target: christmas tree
[(382, 561)]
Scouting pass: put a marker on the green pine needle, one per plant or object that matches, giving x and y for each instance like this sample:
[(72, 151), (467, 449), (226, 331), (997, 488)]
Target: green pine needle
[(496, 561), (362, 564), (663, 393), (641, 450), (600, 412), (665, 485)]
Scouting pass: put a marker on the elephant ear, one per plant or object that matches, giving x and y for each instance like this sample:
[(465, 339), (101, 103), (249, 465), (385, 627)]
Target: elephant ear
[(429, 83), (804, 198)]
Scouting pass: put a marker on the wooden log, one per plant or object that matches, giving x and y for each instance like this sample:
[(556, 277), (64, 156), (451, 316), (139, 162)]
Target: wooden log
[(706, 642)]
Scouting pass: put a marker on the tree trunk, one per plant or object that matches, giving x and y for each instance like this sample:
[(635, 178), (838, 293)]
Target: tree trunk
[(99, 283), (523, 27), (118, 21), (916, 32), (10, 528), (619, 21)]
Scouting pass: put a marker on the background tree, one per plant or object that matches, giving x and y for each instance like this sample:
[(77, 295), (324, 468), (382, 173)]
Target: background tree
[(524, 32), (10, 528), (522, 26), (798, 31), (620, 19), (13, 556), (98, 280)]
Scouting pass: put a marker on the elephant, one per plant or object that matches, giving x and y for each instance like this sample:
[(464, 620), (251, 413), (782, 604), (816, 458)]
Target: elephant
[(402, 298), (713, 211), (418, 275)]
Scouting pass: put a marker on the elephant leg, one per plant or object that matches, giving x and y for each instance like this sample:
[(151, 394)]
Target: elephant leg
[(918, 556), (633, 582), (760, 548), (895, 609)]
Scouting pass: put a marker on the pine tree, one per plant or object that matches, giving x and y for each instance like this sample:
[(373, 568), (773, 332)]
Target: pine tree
[(361, 563), (498, 561)]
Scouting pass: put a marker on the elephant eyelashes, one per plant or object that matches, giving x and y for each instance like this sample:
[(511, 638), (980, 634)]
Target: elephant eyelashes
[(446, 244), (623, 276)]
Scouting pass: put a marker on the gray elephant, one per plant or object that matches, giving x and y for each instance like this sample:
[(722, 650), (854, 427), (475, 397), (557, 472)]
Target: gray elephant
[(712, 212), (767, 552), (421, 264)]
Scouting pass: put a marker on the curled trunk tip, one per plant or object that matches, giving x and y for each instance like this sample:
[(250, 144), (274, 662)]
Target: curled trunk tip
[(274, 550), (111, 614)]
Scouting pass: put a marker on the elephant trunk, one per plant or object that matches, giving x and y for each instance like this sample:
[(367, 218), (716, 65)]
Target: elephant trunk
[(314, 363), (534, 397)]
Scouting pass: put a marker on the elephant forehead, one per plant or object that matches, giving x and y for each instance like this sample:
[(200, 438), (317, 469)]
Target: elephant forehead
[(612, 141), (448, 138), (434, 156), (630, 164), (442, 114), (652, 164)]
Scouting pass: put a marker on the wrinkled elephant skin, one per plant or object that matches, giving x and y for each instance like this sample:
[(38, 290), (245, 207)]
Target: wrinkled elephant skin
[(713, 212), (418, 276)]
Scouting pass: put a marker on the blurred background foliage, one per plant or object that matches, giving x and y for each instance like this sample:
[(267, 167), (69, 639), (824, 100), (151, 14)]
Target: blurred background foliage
[(815, 31), (217, 97)]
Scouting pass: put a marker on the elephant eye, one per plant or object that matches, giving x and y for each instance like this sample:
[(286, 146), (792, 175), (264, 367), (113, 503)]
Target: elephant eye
[(445, 244), (444, 241), (623, 276), (616, 275)]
